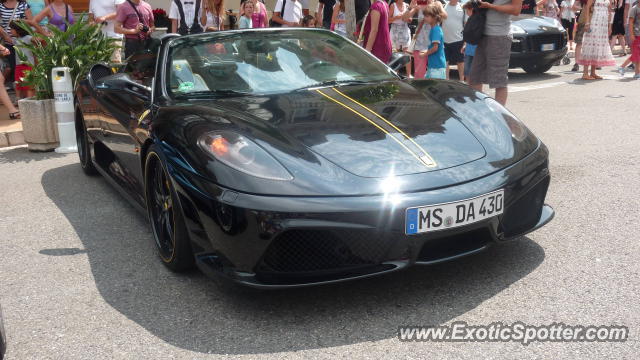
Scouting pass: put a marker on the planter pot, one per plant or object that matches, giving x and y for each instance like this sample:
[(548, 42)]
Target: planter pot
[(39, 124)]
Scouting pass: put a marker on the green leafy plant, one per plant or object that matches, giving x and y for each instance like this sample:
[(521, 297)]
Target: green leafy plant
[(78, 48)]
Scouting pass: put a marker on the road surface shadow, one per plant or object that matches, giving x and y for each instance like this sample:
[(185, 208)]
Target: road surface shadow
[(199, 314), (21, 154)]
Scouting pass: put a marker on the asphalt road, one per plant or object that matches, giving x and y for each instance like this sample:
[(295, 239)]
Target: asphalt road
[(79, 278)]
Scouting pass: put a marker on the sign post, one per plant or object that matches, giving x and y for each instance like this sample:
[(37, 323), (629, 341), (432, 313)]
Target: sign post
[(63, 96)]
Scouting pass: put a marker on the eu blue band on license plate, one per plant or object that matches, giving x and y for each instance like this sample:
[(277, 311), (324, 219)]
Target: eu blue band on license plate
[(412, 221)]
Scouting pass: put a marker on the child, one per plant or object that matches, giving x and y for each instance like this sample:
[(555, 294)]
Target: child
[(22, 91), (247, 13), (433, 15), (420, 59), (400, 33), (468, 50), (634, 36), (339, 19), (309, 21)]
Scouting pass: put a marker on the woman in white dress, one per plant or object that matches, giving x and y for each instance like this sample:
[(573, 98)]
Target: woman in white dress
[(595, 43)]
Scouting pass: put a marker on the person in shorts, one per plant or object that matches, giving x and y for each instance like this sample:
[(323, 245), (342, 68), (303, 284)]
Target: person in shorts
[(433, 15), (491, 60), (452, 27), (469, 50)]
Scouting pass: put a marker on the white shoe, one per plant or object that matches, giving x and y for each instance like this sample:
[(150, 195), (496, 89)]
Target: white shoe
[(621, 71)]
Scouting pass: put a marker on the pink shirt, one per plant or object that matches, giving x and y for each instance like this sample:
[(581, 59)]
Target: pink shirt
[(129, 19), (257, 19)]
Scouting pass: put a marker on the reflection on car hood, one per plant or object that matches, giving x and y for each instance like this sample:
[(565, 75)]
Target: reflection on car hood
[(369, 130), (532, 23)]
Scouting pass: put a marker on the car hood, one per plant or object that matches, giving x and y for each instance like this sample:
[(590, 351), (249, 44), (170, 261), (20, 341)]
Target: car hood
[(346, 141), (535, 24), (370, 131)]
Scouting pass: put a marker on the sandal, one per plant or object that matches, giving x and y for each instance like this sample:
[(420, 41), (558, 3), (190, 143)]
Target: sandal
[(588, 78), (596, 77), (14, 115)]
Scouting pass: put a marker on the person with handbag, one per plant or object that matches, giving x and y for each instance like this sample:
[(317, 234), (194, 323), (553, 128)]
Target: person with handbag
[(287, 13), (12, 10), (59, 14), (134, 19), (185, 16)]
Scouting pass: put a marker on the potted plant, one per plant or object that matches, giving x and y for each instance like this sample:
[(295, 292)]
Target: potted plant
[(78, 48)]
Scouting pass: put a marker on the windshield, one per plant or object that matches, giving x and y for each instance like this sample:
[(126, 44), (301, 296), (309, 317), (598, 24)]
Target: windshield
[(266, 62)]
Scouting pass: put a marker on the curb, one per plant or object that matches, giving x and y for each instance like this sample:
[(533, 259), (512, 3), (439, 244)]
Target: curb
[(11, 138)]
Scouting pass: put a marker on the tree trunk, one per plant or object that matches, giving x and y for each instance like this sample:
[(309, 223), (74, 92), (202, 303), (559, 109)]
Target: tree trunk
[(350, 15)]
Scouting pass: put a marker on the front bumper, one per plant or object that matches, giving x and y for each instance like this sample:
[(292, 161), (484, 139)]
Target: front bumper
[(275, 242), (540, 58)]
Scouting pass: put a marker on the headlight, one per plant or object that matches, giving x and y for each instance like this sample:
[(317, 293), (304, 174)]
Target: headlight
[(517, 30), (557, 24), (242, 154), (518, 129)]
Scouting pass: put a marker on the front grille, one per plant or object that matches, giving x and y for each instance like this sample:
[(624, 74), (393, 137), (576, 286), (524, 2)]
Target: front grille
[(517, 45), (536, 41), (455, 245), (296, 251), (525, 212)]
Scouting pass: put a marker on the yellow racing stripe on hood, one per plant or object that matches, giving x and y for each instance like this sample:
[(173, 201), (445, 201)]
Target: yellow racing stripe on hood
[(425, 158), (377, 126)]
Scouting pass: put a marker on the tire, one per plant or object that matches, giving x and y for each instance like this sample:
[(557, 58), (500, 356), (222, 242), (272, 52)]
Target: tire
[(165, 215), (84, 149), (537, 68)]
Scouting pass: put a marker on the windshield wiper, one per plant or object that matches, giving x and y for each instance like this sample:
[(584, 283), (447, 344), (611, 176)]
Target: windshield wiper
[(330, 83), (211, 93)]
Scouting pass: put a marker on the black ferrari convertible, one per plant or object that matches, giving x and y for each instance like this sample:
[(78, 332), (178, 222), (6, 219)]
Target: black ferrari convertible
[(289, 157)]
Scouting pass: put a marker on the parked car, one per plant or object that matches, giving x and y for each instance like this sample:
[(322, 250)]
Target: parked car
[(538, 43), (290, 157)]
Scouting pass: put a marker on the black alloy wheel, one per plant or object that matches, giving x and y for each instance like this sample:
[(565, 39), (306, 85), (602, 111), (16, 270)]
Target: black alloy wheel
[(165, 215), (84, 151)]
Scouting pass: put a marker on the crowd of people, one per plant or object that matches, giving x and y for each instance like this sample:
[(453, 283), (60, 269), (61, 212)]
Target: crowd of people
[(594, 25)]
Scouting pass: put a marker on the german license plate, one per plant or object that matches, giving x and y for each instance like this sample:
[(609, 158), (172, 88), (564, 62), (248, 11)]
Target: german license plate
[(454, 214), (547, 47)]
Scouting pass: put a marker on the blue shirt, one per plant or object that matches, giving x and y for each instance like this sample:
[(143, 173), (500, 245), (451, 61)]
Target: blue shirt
[(36, 7), (437, 59), (470, 50), (245, 23)]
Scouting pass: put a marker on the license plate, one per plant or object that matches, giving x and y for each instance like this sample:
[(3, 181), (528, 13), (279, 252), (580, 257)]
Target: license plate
[(454, 214), (547, 47)]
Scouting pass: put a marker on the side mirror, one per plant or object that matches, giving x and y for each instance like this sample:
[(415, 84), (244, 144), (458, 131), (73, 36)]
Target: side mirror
[(122, 83), (399, 60)]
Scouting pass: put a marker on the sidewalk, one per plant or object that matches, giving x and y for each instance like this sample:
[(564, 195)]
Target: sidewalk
[(10, 130)]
